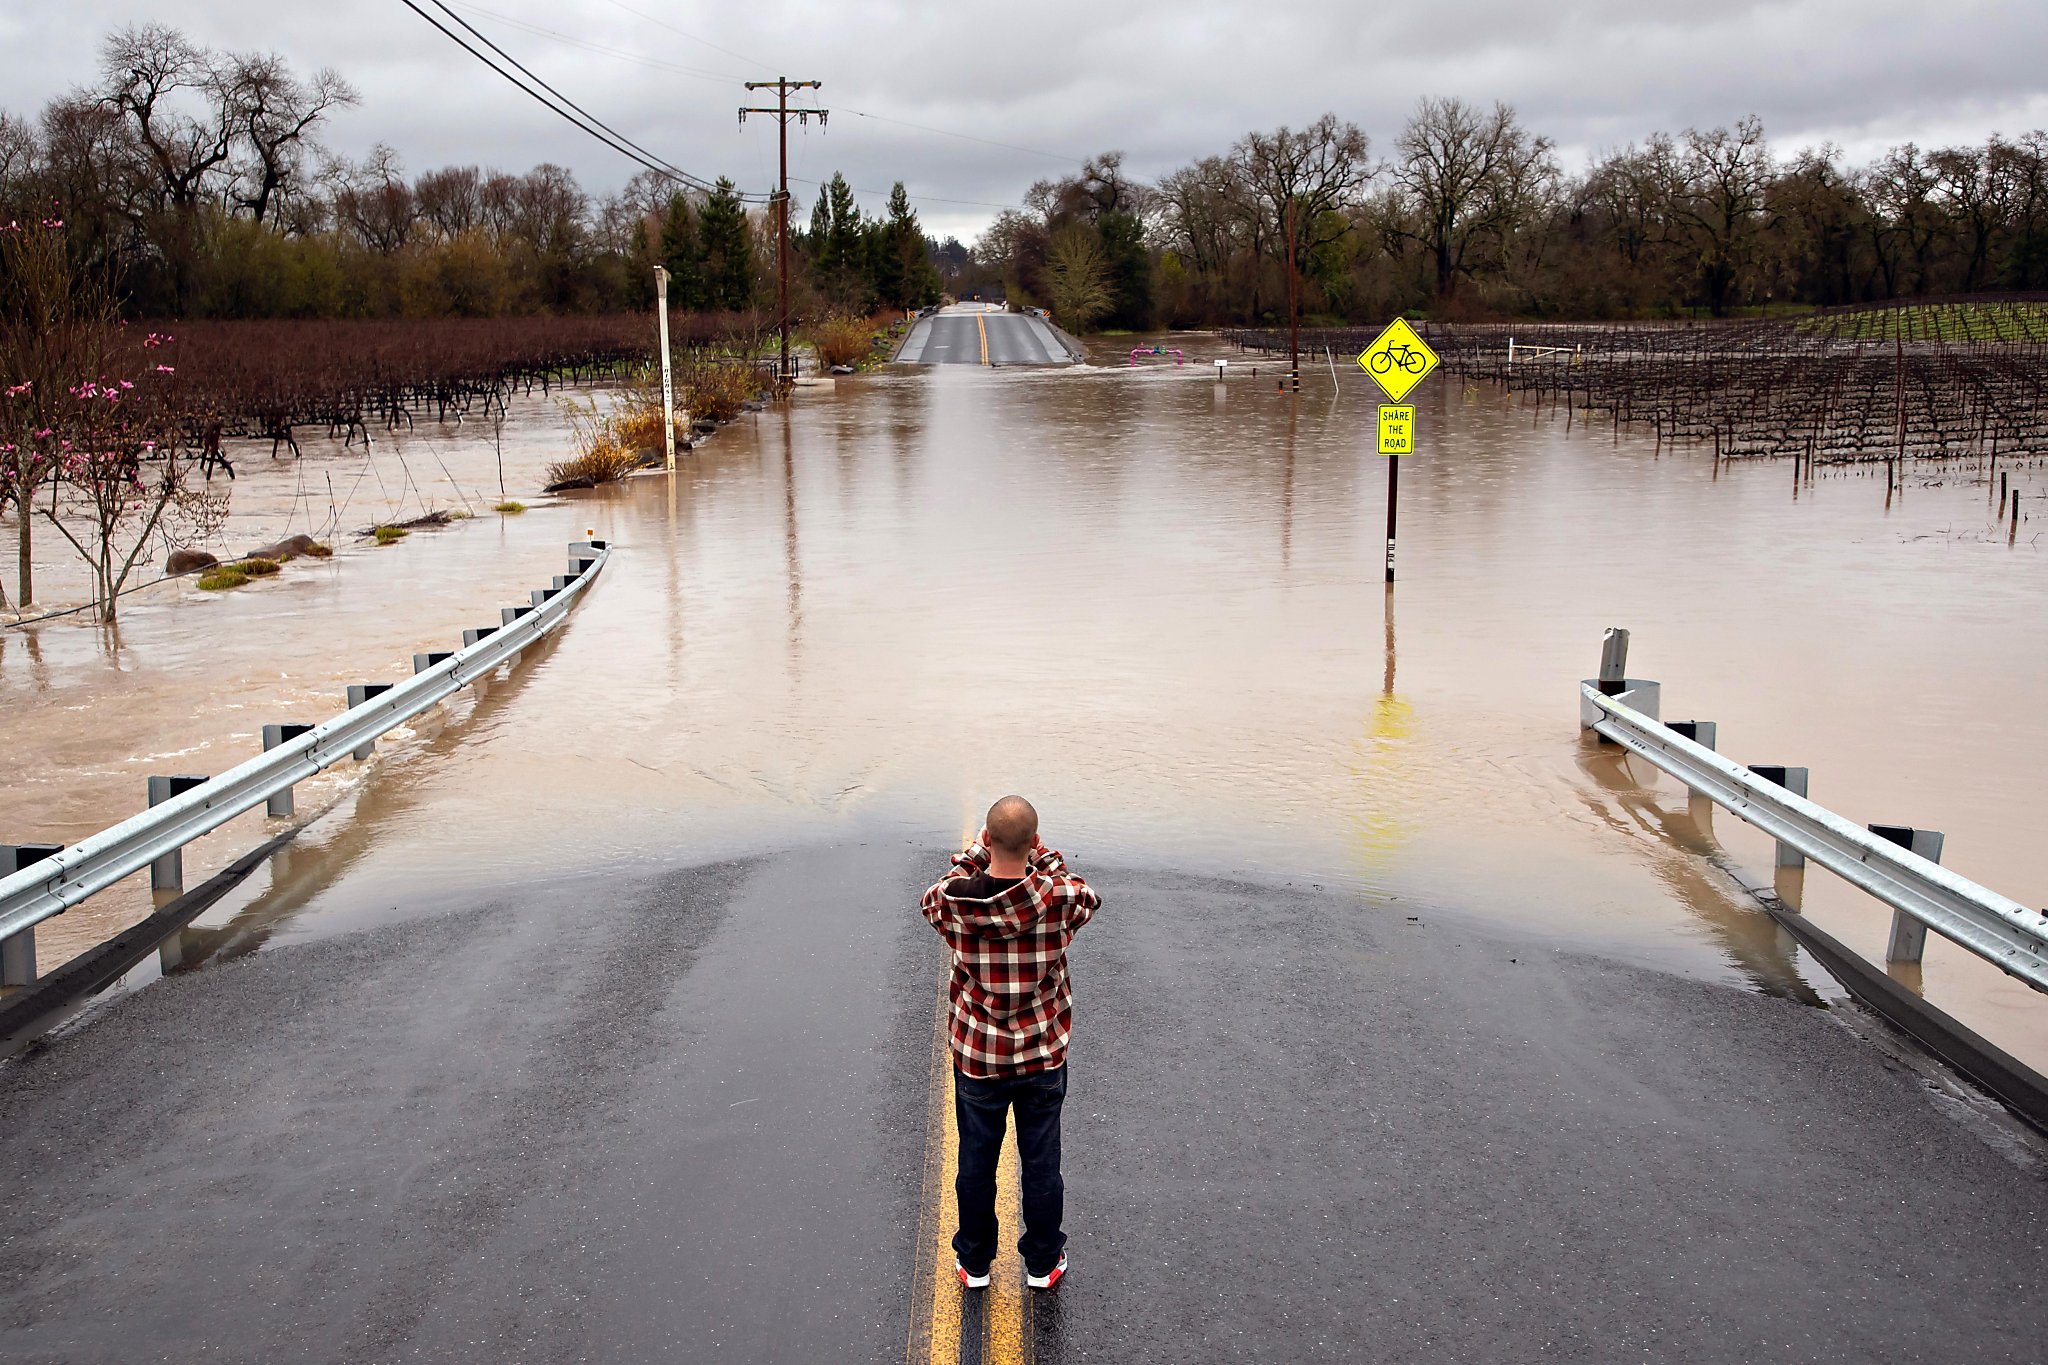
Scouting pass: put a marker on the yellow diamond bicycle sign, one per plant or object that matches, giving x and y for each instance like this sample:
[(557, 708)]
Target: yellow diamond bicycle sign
[(1398, 360)]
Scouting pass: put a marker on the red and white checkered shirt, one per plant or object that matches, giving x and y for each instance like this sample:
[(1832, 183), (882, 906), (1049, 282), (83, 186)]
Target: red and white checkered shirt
[(1013, 1006)]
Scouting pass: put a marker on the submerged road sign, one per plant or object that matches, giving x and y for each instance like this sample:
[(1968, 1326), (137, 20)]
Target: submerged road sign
[(1397, 429), (1398, 360)]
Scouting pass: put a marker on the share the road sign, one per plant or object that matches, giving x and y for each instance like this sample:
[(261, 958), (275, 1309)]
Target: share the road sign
[(1398, 360), (1397, 429)]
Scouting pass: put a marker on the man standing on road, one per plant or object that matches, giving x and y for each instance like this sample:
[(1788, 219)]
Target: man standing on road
[(1008, 908)]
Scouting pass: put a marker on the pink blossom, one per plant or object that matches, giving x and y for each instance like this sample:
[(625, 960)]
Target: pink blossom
[(17, 390), (166, 369), (126, 385)]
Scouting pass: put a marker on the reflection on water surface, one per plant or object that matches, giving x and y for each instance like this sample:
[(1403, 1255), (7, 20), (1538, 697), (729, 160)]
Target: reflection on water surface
[(1154, 604)]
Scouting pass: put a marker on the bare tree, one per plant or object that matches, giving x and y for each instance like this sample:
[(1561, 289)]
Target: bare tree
[(153, 76), (1471, 180), (275, 116), (1321, 171)]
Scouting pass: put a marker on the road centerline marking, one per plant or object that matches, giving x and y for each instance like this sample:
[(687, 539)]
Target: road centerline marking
[(945, 1329), (981, 326)]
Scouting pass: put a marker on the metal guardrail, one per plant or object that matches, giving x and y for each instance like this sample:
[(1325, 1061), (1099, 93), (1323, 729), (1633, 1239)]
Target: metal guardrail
[(2003, 932), (61, 880)]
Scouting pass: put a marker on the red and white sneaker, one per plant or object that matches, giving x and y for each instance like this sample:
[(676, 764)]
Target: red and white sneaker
[(969, 1280), (1051, 1278)]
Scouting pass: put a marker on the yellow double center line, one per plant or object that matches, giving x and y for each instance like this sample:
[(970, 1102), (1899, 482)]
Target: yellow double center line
[(950, 1325), (981, 326)]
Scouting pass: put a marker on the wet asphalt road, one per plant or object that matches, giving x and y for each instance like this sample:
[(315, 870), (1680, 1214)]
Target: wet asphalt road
[(1300, 1129), (955, 338)]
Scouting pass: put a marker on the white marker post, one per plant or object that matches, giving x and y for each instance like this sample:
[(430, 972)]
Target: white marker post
[(668, 388)]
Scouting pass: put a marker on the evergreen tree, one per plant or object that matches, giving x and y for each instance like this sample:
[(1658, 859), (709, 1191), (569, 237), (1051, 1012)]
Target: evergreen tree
[(839, 248), (900, 270), (728, 247), (683, 255), (1130, 271)]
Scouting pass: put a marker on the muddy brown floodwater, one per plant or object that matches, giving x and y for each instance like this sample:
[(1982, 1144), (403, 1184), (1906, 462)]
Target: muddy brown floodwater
[(1152, 602)]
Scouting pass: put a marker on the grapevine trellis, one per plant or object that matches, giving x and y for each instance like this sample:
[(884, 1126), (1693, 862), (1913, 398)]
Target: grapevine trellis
[(1931, 379), (264, 379)]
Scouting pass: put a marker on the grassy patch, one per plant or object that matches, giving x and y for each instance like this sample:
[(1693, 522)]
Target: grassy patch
[(510, 508), (390, 535), (2017, 320), (221, 577)]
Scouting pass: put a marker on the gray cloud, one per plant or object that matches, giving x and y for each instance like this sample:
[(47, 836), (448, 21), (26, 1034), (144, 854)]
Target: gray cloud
[(1166, 82)]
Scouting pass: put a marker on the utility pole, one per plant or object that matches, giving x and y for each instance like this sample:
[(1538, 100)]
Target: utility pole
[(782, 85), (1293, 305)]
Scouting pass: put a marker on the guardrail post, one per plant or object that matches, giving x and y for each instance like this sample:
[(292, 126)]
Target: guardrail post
[(1909, 935), (433, 657), (168, 872), (1792, 780), (507, 615), (279, 805), (470, 637), (541, 595), (18, 951), (1638, 694), (1706, 734), (1613, 661), (358, 693)]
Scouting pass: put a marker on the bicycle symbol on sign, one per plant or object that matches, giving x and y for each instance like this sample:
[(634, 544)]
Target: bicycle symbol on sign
[(1400, 353)]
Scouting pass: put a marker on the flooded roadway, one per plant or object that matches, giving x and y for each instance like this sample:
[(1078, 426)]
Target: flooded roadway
[(1153, 604)]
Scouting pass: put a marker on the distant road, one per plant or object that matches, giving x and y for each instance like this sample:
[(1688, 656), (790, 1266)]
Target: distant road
[(969, 334)]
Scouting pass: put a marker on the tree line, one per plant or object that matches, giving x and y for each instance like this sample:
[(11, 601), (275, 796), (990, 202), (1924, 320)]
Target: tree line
[(196, 183), (1470, 214)]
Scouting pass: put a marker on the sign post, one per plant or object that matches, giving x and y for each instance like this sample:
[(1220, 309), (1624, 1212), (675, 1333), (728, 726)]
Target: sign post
[(1397, 361)]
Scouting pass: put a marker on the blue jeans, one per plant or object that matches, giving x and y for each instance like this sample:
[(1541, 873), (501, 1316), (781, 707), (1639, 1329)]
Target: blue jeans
[(981, 1110)]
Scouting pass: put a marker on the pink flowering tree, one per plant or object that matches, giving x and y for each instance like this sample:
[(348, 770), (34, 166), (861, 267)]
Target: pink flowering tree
[(89, 443)]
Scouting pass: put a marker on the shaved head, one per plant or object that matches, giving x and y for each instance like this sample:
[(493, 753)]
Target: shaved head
[(1012, 826)]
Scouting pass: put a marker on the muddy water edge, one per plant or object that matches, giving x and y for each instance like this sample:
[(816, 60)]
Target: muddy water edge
[(1150, 600)]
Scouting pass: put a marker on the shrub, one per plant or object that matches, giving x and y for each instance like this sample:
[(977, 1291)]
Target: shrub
[(842, 341), (718, 391), (257, 568), (390, 535), (510, 508), (605, 462)]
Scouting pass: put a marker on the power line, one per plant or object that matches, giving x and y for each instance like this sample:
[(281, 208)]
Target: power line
[(582, 120), (683, 175), (656, 64), (620, 54), (663, 23), (964, 137)]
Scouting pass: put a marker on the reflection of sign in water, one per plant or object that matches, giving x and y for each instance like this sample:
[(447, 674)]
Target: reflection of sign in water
[(1398, 359), (1387, 779), (1397, 429)]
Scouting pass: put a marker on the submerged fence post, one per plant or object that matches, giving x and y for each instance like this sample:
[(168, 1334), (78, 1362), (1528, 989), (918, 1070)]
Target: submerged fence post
[(18, 950), (167, 873), (1909, 936)]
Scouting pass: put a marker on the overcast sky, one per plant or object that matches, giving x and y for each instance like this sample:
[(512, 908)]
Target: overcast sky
[(1164, 80)]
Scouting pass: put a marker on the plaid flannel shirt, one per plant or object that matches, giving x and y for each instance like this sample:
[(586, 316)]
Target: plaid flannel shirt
[(1012, 1004)]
